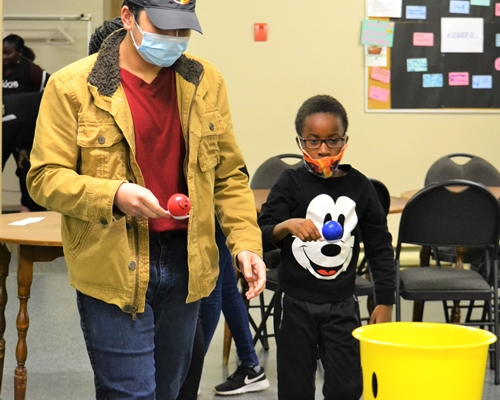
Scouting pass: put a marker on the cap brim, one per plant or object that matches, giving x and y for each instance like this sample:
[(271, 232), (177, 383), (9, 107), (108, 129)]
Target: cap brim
[(173, 19)]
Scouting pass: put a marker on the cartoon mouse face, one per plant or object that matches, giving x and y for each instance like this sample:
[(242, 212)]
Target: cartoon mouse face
[(322, 259)]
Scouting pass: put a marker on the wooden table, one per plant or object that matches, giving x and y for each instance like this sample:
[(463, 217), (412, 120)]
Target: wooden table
[(396, 207), (39, 241)]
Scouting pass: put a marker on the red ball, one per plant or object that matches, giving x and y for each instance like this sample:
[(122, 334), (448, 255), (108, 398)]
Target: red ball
[(179, 206)]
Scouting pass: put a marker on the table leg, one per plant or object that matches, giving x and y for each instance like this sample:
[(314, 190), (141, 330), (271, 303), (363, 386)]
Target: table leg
[(4, 272), (24, 280)]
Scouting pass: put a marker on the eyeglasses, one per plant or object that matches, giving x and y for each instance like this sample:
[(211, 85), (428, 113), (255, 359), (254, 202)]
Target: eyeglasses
[(314, 144)]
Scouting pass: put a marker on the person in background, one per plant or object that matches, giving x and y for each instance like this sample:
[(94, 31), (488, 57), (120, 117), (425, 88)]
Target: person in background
[(23, 108), (134, 124), (316, 309), (23, 78), (249, 376), (20, 73)]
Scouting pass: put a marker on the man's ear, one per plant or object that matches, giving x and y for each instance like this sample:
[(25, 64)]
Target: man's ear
[(127, 18)]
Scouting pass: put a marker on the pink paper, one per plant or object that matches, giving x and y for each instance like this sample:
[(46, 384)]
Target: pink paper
[(497, 9), (423, 39), (497, 64), (377, 93), (458, 79), (382, 75)]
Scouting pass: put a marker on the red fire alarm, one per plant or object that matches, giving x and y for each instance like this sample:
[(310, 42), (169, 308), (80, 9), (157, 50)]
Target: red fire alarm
[(260, 32)]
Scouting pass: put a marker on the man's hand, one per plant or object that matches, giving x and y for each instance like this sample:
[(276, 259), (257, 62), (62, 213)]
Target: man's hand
[(254, 270), (138, 201)]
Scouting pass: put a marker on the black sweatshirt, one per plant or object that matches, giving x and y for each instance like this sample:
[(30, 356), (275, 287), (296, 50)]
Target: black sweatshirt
[(322, 272)]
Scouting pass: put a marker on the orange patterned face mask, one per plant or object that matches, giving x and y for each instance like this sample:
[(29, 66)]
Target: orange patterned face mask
[(322, 167)]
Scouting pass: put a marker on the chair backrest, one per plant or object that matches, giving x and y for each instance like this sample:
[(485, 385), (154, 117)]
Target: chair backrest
[(383, 194), (269, 170), (451, 213), (476, 169)]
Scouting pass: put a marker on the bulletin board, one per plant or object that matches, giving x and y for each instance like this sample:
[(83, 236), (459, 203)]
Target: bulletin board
[(445, 57)]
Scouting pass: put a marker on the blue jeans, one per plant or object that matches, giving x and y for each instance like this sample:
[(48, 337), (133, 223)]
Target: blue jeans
[(146, 358), (227, 297)]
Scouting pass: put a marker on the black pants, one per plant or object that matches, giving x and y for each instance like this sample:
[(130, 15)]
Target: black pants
[(305, 331), (10, 131)]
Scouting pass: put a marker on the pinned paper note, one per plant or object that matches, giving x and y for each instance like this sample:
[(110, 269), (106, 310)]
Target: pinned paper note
[(497, 9), (384, 8), (482, 82), (375, 56), (416, 64), (497, 64), (432, 80), (462, 35), (27, 221), (378, 33), (380, 94), (416, 12), (380, 74), (458, 79), (480, 2), (423, 39), (459, 7)]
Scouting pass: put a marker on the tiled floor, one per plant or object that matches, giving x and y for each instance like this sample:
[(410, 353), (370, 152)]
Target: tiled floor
[(58, 367)]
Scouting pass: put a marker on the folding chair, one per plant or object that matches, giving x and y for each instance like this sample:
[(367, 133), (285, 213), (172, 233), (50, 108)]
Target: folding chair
[(454, 213)]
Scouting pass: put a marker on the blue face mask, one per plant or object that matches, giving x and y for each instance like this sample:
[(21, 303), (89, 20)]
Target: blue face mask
[(161, 50)]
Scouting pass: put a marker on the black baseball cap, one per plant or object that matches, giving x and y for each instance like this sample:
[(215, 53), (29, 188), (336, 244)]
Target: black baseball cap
[(171, 14)]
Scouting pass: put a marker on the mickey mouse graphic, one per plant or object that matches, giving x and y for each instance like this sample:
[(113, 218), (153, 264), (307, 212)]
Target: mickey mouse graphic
[(325, 260)]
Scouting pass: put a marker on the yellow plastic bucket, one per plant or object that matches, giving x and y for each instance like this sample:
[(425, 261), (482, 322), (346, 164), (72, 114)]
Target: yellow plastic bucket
[(424, 361)]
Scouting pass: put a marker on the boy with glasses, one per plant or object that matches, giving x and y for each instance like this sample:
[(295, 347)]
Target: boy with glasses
[(316, 310)]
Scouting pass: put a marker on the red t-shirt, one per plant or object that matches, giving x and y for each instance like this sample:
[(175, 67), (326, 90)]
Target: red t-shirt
[(159, 142)]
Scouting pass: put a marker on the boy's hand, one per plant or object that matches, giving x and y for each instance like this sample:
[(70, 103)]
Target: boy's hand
[(381, 313), (254, 270), (304, 229)]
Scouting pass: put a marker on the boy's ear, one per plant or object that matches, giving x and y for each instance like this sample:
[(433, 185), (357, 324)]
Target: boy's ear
[(297, 142)]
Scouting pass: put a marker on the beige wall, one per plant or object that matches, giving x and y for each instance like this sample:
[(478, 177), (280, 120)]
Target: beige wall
[(313, 47)]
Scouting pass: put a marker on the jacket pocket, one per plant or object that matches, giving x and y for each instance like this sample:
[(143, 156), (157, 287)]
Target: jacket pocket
[(77, 231), (209, 154), (103, 151)]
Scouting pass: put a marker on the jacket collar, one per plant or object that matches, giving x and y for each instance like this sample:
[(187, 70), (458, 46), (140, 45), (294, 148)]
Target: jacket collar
[(105, 74)]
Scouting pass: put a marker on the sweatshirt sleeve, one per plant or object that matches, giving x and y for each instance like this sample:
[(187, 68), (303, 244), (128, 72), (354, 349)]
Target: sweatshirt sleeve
[(275, 210), (377, 241)]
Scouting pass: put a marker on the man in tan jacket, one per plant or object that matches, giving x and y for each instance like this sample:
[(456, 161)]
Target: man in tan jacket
[(118, 133)]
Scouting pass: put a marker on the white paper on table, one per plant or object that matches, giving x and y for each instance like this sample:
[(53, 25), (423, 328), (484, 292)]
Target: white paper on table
[(462, 35), (384, 8), (27, 221)]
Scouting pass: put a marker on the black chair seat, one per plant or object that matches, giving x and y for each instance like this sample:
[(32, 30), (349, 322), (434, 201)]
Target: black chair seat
[(443, 283), (363, 287)]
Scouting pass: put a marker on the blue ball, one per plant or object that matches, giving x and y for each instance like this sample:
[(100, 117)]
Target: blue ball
[(332, 231)]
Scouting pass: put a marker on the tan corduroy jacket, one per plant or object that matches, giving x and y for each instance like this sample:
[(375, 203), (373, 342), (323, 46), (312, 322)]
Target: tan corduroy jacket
[(84, 150)]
